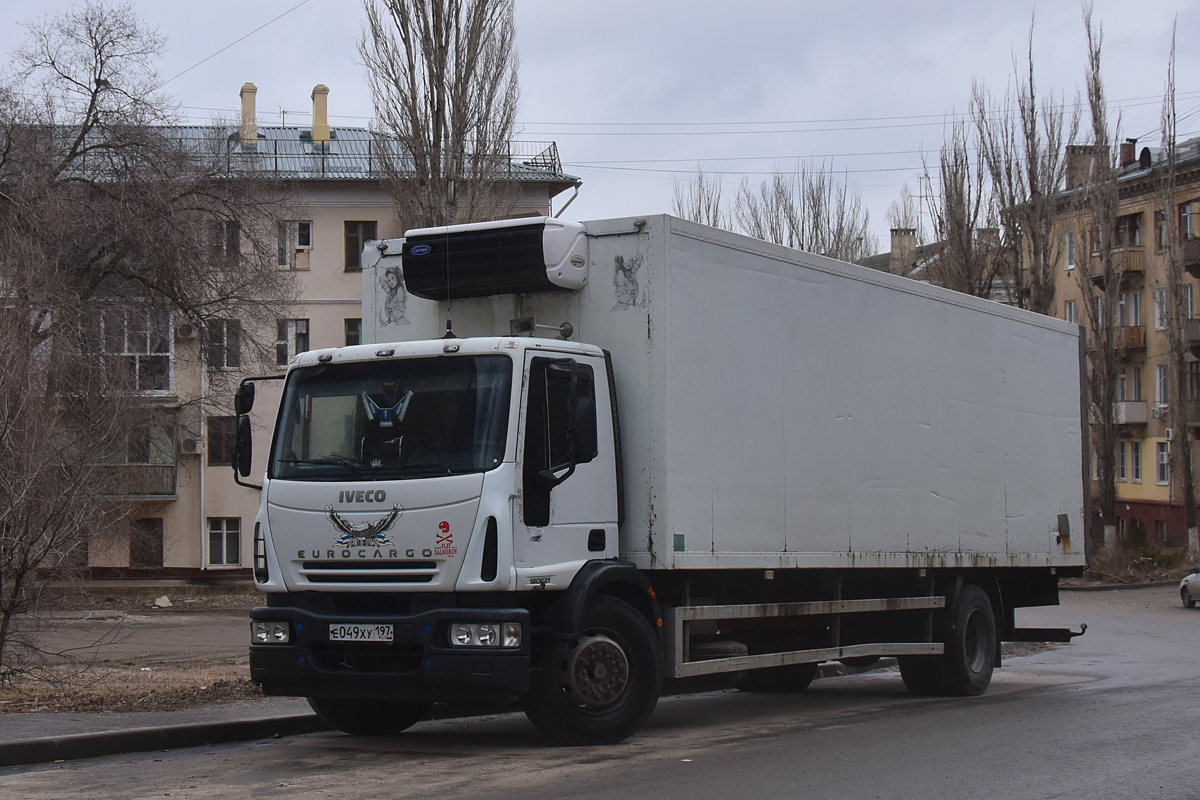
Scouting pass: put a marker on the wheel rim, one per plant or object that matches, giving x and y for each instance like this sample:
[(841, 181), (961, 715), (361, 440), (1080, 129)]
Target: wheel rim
[(974, 643), (597, 673)]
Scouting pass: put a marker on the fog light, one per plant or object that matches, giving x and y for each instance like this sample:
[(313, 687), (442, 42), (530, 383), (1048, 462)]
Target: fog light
[(487, 635), (270, 632), (461, 634)]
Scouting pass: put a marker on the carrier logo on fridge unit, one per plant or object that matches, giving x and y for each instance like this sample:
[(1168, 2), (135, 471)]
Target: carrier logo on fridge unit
[(367, 534)]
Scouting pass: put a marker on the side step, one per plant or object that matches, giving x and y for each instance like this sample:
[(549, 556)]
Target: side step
[(679, 662)]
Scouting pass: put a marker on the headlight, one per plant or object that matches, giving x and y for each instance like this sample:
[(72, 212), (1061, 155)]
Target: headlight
[(485, 634), (270, 632)]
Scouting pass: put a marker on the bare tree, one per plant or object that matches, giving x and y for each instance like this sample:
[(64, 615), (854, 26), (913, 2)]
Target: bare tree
[(808, 209), (114, 228), (905, 212), (443, 77), (1096, 202), (699, 200), (1177, 315), (1023, 145), (963, 218)]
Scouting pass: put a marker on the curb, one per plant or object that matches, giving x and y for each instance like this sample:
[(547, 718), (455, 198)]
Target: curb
[(1108, 587), (133, 740)]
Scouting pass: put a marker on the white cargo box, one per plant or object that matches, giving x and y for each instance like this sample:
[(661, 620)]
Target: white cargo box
[(780, 409)]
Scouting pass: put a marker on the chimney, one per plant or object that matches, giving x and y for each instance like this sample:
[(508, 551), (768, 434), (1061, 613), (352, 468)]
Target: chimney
[(320, 122), (1128, 152), (249, 132), (904, 251)]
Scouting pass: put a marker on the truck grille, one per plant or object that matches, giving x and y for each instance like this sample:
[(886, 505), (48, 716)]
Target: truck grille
[(368, 571)]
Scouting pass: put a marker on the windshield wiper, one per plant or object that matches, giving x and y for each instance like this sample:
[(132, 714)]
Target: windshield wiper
[(333, 461)]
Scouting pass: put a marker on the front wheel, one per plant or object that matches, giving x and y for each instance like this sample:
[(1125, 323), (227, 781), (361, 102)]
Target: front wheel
[(368, 717), (602, 685), (1188, 600)]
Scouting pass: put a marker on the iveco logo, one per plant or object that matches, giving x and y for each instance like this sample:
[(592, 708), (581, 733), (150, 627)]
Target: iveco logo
[(577, 262), (369, 496), (419, 250)]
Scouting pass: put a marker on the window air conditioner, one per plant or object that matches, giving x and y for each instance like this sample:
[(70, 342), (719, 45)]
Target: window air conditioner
[(186, 331), (1170, 435), (191, 447)]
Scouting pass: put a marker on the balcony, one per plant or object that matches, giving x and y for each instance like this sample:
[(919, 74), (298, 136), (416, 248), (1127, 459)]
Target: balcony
[(1132, 412), (1189, 251), (1130, 341), (139, 481), (1128, 262)]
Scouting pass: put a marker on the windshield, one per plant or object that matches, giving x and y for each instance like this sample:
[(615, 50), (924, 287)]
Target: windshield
[(388, 420)]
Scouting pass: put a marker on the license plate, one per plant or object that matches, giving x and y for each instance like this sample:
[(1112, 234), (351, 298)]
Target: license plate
[(360, 633)]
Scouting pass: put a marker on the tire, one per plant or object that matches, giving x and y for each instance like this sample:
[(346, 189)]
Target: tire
[(600, 687), (368, 717), (965, 669), (920, 675), (792, 678), (1188, 600)]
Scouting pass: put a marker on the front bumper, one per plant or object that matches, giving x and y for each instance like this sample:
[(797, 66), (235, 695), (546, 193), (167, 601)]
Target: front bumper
[(417, 665)]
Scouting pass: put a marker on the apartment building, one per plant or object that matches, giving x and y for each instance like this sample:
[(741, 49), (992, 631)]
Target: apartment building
[(1149, 499), (191, 520)]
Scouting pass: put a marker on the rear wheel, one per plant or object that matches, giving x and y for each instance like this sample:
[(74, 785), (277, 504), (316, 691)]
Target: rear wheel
[(368, 717), (965, 669), (601, 686), (792, 678), (1188, 600), (919, 674)]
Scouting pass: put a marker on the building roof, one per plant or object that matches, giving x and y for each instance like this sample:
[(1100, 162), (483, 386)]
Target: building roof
[(354, 154)]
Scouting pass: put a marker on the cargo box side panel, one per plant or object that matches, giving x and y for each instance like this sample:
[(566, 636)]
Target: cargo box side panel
[(724, 401), (618, 311), (837, 416)]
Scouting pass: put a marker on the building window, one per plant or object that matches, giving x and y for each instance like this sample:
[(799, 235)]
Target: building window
[(293, 237), (1160, 384), (225, 541), (222, 440), (353, 332), (1160, 230), (1129, 309), (139, 344), (358, 233), (291, 337), (1162, 460), (1160, 309), (1122, 464), (1129, 231), (1160, 530), (1193, 380), (1099, 312), (1095, 466), (226, 241), (1187, 301), (1069, 249), (1189, 220), (146, 445), (1135, 462), (1069, 311), (224, 344), (146, 543), (1135, 384)]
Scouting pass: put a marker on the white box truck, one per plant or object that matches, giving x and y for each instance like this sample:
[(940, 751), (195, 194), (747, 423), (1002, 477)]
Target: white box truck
[(720, 455)]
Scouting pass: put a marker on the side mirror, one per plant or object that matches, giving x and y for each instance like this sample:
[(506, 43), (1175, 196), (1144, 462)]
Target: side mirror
[(243, 399), (243, 452)]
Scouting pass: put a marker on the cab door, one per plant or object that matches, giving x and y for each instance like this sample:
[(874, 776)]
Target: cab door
[(566, 508)]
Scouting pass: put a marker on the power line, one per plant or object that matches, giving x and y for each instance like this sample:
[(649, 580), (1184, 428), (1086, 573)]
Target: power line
[(231, 44)]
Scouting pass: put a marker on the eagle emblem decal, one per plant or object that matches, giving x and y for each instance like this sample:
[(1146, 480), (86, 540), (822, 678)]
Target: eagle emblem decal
[(368, 534)]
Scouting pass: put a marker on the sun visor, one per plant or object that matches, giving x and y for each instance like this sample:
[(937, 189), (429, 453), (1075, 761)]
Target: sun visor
[(520, 256)]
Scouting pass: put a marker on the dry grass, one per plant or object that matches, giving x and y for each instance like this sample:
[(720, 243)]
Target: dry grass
[(120, 687), (1133, 564)]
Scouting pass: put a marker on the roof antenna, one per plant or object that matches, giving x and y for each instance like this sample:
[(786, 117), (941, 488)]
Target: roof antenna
[(449, 330)]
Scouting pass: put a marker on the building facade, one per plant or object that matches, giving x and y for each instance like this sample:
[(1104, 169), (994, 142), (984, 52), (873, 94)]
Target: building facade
[(191, 519), (1149, 497)]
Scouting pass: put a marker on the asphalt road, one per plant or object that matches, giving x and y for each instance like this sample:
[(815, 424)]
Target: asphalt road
[(1112, 715)]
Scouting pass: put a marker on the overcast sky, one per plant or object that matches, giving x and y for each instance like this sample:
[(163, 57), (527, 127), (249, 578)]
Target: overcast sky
[(638, 93)]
